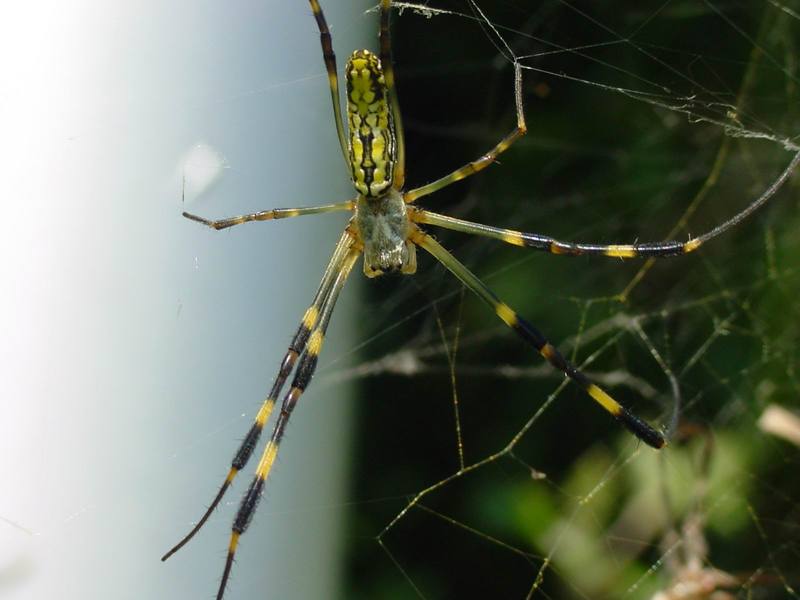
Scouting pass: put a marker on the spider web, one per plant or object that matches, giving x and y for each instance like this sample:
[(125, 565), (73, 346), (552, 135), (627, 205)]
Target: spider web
[(479, 471), (137, 345)]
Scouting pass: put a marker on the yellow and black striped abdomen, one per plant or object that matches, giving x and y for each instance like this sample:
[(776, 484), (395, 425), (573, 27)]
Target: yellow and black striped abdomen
[(369, 116)]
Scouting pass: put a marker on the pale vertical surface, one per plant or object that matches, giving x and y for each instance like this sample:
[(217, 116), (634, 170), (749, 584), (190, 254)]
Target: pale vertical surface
[(136, 345)]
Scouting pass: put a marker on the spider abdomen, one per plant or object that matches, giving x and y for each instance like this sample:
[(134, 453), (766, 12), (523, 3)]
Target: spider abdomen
[(372, 142), (384, 227)]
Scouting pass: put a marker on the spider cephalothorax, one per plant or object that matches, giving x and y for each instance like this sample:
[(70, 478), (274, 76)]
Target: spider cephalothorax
[(384, 228)]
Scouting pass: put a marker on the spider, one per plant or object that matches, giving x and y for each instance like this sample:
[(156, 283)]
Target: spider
[(386, 228)]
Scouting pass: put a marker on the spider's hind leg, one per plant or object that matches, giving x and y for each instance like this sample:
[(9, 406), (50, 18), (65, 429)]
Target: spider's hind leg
[(302, 378), (532, 336), (296, 347)]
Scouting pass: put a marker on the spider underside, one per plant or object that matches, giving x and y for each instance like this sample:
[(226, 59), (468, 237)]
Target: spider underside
[(384, 230)]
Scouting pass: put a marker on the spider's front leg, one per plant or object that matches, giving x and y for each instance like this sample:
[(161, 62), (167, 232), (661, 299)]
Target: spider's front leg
[(270, 215)]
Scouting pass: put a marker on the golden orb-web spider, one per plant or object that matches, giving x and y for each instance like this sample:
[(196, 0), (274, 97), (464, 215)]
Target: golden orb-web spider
[(385, 227)]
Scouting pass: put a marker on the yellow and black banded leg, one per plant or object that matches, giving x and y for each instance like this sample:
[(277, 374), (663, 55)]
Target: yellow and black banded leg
[(296, 347), (532, 336), (271, 215), (399, 178), (329, 57), (548, 244), (302, 377), (642, 249), (485, 160)]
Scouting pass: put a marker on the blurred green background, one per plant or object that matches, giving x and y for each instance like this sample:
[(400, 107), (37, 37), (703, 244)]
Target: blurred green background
[(636, 115)]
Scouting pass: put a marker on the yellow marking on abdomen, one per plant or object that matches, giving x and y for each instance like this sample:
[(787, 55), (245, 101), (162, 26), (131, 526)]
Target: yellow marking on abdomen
[(604, 399), (372, 140)]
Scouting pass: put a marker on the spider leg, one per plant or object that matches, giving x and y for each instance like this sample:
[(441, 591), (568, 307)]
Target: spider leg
[(485, 160), (388, 74), (646, 249), (333, 79), (532, 336), (270, 215), (302, 377), (296, 347)]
